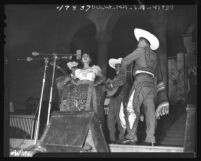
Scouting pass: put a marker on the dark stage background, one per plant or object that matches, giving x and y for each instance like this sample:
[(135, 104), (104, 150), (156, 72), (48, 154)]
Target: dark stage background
[(103, 33)]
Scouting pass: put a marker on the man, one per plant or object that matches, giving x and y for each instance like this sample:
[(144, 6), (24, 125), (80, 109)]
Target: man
[(120, 86), (63, 84), (147, 73)]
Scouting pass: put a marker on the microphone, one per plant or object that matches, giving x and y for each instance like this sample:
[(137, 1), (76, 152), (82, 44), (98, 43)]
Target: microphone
[(35, 53), (28, 59), (78, 54), (60, 56), (64, 57)]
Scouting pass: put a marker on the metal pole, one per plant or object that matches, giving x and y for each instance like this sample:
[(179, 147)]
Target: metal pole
[(185, 80), (40, 104), (51, 89)]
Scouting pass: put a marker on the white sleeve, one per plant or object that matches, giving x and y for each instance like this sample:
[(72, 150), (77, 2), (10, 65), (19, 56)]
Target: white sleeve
[(97, 69), (77, 73)]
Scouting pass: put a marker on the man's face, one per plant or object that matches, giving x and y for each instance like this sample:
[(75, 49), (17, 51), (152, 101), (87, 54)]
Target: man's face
[(117, 68), (142, 43)]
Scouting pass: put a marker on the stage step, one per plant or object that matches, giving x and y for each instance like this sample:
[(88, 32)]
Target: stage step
[(174, 135), (169, 143), (139, 148), (20, 143)]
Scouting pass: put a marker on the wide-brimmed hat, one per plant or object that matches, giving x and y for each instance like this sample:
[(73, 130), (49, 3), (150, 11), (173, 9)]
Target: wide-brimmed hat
[(153, 40), (72, 64), (113, 62)]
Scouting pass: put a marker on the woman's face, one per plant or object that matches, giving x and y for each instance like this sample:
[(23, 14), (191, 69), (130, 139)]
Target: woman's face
[(86, 58)]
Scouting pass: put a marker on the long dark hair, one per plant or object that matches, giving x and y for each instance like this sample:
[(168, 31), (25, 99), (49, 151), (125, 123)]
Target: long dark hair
[(80, 65)]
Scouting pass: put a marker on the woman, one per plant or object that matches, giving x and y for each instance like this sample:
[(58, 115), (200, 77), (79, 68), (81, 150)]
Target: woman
[(86, 95)]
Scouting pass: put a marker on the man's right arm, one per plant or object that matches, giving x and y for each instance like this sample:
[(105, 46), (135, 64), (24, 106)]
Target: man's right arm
[(61, 81), (132, 57)]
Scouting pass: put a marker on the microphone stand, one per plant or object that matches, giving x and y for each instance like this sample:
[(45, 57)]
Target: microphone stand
[(51, 89), (41, 98)]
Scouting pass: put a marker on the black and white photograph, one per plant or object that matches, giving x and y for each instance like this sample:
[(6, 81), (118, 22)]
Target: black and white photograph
[(100, 79)]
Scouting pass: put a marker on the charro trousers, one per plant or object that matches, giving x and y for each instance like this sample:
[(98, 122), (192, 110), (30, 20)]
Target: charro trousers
[(142, 93)]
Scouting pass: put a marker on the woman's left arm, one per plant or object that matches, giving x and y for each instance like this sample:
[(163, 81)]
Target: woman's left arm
[(100, 78)]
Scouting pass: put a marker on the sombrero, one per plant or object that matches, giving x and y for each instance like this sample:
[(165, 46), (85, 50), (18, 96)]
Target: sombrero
[(114, 61), (72, 64), (153, 40)]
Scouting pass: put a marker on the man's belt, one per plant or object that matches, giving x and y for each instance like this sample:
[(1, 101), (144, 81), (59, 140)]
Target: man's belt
[(139, 72)]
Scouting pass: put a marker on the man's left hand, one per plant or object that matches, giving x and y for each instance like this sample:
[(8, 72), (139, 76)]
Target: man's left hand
[(108, 86), (162, 110)]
